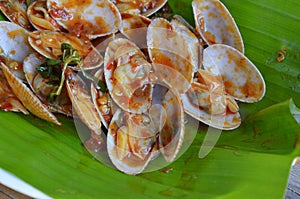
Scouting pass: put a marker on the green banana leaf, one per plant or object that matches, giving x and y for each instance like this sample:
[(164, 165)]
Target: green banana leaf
[(250, 162)]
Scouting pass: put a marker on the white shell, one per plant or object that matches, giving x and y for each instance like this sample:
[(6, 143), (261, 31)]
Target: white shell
[(169, 47), (92, 18), (215, 24), (134, 27), (118, 145), (145, 7), (240, 76), (171, 134), (227, 121), (126, 74)]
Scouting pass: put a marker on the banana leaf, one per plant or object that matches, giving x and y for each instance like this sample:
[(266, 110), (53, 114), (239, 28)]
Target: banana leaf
[(250, 162)]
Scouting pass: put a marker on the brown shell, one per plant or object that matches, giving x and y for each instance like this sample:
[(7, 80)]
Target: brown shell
[(15, 11), (81, 101), (8, 100), (42, 89), (39, 17), (103, 101), (48, 43), (29, 100)]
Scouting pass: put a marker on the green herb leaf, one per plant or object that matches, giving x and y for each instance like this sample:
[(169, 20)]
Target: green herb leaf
[(101, 85)]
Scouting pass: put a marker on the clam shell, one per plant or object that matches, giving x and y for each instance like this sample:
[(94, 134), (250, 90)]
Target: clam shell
[(134, 27), (14, 41), (126, 73), (14, 47), (193, 43), (171, 134), (8, 100), (167, 46), (93, 18), (39, 86), (124, 143), (15, 11), (145, 8), (103, 101), (227, 121), (39, 17), (28, 99), (82, 102), (48, 43), (215, 24), (240, 76)]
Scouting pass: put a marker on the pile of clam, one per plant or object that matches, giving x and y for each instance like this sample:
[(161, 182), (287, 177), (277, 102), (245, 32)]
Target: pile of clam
[(126, 71)]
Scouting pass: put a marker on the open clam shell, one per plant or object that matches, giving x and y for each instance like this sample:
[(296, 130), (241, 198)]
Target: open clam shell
[(8, 100), (240, 76), (81, 101), (171, 132), (28, 99), (103, 101), (134, 27), (92, 18), (198, 95), (146, 7), (14, 47), (215, 24), (126, 74), (48, 43), (181, 26), (14, 41), (39, 17), (15, 11), (42, 89), (129, 142), (167, 46)]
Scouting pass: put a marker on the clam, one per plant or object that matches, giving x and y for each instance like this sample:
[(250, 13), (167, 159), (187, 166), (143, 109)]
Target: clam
[(171, 131), (8, 100), (241, 78), (81, 101), (90, 19), (28, 99), (48, 43), (39, 17), (126, 73), (14, 47), (102, 100), (185, 30), (227, 76), (134, 27), (15, 11), (130, 142), (215, 24), (217, 110), (144, 7), (41, 87), (170, 53), (134, 140)]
